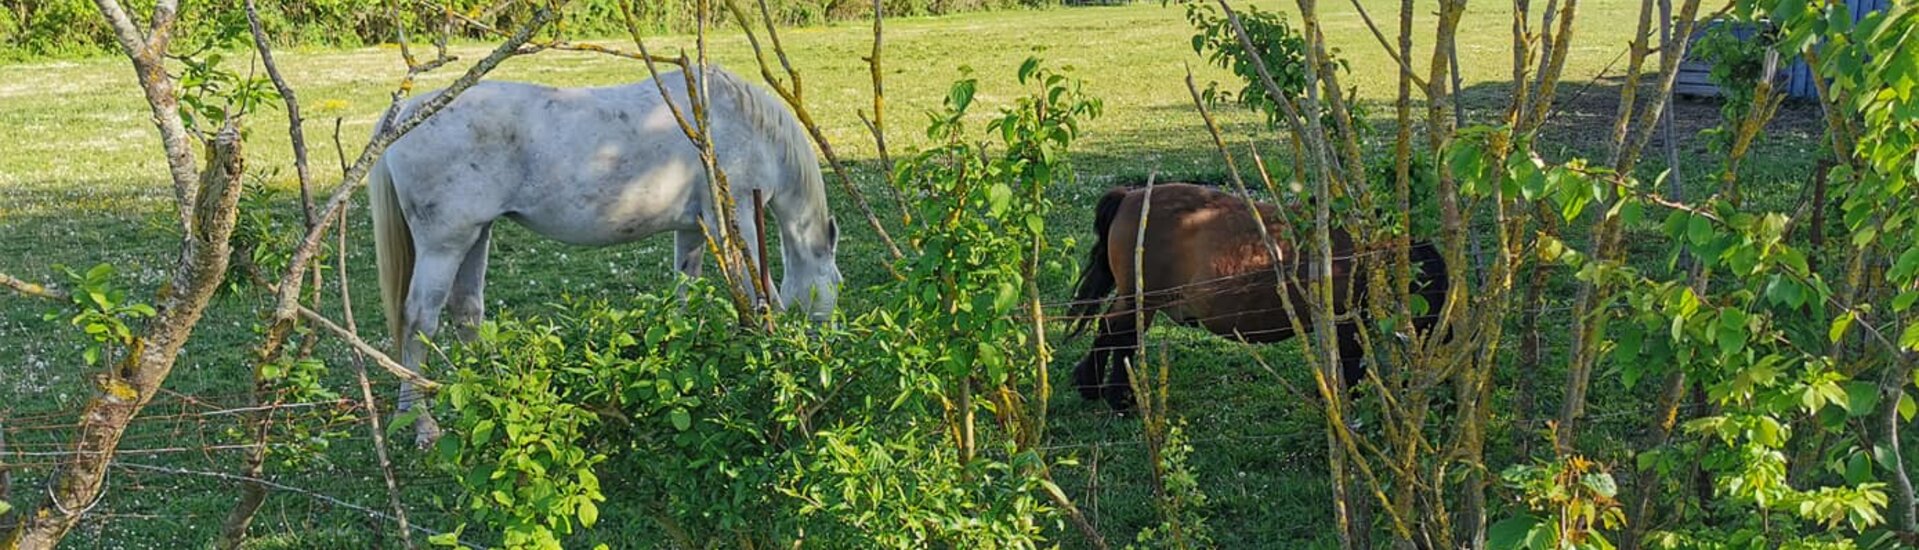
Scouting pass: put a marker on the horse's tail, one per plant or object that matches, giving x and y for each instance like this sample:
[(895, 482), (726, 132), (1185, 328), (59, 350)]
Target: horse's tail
[(1096, 278), (393, 246)]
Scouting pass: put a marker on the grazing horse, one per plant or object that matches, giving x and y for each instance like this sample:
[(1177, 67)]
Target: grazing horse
[(1206, 266), (585, 166)]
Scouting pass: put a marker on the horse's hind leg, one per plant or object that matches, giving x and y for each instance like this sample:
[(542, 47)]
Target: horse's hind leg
[(434, 268), (467, 301)]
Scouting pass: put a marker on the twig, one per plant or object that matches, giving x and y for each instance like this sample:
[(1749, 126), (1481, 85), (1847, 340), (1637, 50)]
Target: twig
[(721, 241), (35, 290), (1405, 69), (339, 152), (364, 348), (1073, 514), (877, 125), (795, 100), (294, 120), (765, 277), (1259, 221), (366, 393)]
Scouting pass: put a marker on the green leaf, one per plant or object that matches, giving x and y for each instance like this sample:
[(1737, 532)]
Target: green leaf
[(483, 432), (1839, 326), (1906, 407), (1676, 223), (1861, 398), (1600, 483), (1904, 300), (4, 507), (961, 96), (1027, 68), (1785, 292), (1699, 230), (589, 513), (99, 273), (1907, 264), (1006, 297), (1858, 469), (1626, 353), (681, 419), (1909, 339), (997, 198), (1511, 533)]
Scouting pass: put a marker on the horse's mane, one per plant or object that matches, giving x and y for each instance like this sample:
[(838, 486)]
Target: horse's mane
[(768, 114)]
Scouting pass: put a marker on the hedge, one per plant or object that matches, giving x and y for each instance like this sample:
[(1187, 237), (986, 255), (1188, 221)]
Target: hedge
[(74, 28)]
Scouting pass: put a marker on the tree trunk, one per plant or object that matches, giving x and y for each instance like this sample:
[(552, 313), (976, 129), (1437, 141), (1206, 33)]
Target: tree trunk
[(233, 531)]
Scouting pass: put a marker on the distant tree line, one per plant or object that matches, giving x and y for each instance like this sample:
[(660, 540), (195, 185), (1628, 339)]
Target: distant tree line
[(73, 28)]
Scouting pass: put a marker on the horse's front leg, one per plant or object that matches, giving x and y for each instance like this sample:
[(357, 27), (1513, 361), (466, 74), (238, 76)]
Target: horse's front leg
[(689, 256), (1091, 370), (1121, 341)]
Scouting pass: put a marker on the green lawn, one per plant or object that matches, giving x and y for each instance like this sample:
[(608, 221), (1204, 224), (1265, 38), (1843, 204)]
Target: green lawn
[(82, 181)]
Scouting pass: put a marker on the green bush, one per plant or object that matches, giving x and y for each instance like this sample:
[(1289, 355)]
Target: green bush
[(907, 426)]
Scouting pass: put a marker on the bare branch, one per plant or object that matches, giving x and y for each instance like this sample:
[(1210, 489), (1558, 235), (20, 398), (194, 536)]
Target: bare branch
[(33, 289), (379, 358), (366, 391), (719, 240), (794, 99), (125, 389), (294, 121), (148, 55), (1073, 513), (1405, 69), (124, 29), (877, 124)]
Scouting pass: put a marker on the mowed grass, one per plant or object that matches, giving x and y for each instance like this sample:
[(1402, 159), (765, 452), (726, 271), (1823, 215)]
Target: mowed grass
[(82, 181)]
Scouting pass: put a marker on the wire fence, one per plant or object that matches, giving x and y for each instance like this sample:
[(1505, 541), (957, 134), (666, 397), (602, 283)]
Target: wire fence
[(191, 446)]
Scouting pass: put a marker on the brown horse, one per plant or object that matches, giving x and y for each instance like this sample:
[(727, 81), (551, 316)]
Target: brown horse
[(1206, 266)]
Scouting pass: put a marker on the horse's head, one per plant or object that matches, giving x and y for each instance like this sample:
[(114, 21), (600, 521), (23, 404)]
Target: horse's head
[(811, 282)]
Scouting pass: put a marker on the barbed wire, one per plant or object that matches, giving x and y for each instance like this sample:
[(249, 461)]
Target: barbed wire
[(369, 512)]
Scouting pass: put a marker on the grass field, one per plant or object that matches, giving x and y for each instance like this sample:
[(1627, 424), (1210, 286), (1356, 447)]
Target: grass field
[(82, 181)]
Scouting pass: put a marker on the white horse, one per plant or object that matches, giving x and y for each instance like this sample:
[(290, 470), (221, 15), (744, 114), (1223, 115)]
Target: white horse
[(589, 166)]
